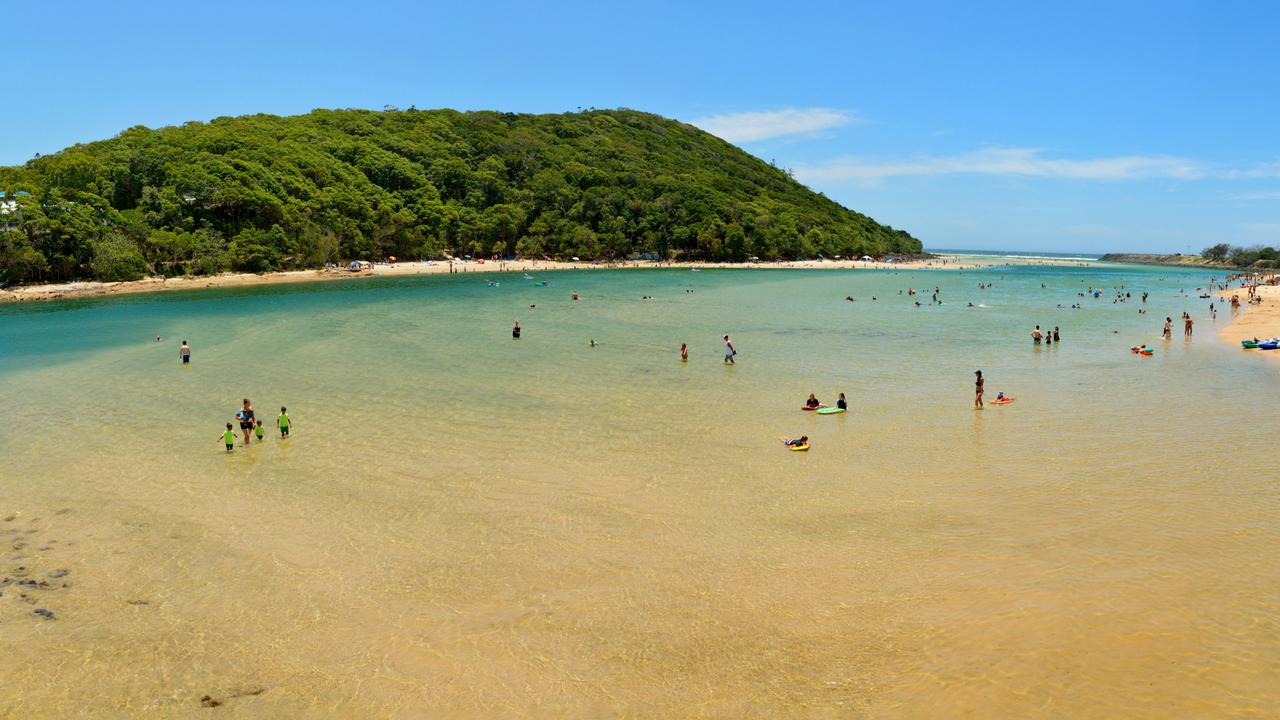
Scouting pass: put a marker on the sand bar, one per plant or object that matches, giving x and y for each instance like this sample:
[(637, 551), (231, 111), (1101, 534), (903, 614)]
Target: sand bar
[(74, 290)]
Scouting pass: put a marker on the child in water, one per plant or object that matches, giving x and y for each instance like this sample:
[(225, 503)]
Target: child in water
[(229, 437), (802, 440), (258, 431), (284, 422)]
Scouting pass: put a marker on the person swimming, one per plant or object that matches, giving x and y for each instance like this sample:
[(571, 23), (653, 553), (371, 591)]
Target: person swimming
[(797, 442)]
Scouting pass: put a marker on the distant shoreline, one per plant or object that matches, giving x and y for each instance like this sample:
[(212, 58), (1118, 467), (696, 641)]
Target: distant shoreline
[(78, 290), (1188, 261)]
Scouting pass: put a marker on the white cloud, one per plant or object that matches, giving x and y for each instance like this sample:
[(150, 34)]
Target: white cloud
[(754, 126), (1025, 162)]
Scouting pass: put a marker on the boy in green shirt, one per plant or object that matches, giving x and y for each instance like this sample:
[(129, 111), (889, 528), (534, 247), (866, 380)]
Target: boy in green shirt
[(284, 422), (229, 437), (257, 431)]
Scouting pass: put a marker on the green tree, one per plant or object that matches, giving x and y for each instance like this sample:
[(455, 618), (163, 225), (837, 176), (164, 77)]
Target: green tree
[(1216, 252), (117, 258)]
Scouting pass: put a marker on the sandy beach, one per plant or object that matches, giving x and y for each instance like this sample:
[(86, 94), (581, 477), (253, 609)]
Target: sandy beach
[(73, 290), (1260, 321)]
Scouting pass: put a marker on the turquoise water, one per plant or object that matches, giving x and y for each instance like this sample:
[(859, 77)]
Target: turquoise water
[(541, 528)]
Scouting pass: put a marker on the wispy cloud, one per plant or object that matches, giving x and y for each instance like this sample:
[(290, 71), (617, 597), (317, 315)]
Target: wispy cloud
[(1258, 195), (755, 126), (1263, 170), (1025, 162)]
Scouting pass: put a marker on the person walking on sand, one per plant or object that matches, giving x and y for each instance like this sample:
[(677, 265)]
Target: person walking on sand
[(977, 389), (729, 352), (246, 419), (184, 352)]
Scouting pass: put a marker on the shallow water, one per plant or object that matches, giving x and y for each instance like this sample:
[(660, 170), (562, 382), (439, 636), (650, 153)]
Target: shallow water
[(467, 525)]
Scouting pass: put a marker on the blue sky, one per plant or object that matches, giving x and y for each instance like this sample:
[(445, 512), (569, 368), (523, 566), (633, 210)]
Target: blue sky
[(1084, 126)]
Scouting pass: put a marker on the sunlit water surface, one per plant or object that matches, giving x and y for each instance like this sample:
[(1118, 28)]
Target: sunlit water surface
[(464, 525)]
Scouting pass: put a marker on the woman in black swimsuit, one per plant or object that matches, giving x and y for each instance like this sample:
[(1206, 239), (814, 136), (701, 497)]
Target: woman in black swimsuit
[(977, 387), (246, 419)]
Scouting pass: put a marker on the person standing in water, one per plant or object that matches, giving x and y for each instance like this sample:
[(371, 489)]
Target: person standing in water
[(246, 419), (684, 352), (184, 352), (841, 403), (515, 330), (729, 352), (284, 421), (1168, 328), (1036, 335), (977, 389), (1186, 325), (229, 437), (1055, 334)]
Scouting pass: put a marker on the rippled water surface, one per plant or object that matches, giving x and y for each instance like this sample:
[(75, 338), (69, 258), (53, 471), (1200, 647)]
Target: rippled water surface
[(464, 525)]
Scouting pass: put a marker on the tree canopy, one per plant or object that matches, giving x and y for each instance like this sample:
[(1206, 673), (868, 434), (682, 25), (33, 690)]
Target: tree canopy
[(264, 192)]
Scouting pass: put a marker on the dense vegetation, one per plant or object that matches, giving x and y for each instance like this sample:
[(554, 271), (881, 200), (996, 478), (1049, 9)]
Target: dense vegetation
[(263, 192), (1257, 256)]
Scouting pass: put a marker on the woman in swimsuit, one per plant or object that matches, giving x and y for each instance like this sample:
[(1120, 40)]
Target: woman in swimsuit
[(977, 388), (246, 419)]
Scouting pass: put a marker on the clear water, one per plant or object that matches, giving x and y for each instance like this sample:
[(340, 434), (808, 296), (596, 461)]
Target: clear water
[(467, 525)]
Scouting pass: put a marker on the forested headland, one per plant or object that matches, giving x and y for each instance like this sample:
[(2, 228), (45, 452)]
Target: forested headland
[(262, 192)]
